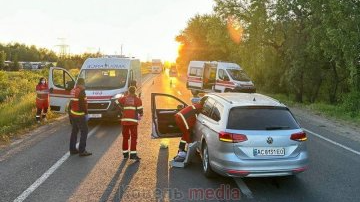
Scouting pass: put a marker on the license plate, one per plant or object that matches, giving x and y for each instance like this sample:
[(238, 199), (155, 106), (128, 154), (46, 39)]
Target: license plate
[(94, 115), (274, 151)]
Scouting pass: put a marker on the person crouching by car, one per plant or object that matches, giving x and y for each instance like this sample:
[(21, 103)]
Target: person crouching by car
[(185, 119)]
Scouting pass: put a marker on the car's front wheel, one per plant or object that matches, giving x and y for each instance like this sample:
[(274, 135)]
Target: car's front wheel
[(208, 172)]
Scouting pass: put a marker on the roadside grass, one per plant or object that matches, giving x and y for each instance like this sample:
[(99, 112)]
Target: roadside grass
[(17, 115), (17, 103), (338, 111)]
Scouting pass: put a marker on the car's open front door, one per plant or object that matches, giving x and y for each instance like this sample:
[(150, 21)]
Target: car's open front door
[(60, 85), (163, 109)]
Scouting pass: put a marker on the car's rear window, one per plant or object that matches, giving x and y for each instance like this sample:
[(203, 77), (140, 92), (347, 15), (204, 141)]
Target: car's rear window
[(261, 118)]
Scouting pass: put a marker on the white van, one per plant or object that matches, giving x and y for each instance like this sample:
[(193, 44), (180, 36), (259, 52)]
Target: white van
[(156, 66), (204, 76), (106, 79)]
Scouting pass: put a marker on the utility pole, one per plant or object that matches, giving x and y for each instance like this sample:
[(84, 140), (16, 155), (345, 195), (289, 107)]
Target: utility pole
[(63, 48)]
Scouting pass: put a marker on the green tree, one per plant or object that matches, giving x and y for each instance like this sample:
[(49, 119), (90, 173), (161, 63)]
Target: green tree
[(2, 60)]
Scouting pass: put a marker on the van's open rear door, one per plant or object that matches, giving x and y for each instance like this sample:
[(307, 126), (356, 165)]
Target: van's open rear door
[(60, 85)]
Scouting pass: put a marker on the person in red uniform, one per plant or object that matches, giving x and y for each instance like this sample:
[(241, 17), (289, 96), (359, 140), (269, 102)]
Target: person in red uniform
[(42, 99), (79, 117), (132, 110), (185, 119)]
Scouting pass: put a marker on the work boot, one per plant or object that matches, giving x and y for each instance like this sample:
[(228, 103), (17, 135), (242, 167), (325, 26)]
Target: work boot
[(135, 157), (72, 152), (85, 153), (180, 157), (126, 155)]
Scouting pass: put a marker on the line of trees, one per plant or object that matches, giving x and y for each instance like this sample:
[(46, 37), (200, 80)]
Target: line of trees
[(308, 49), (16, 52)]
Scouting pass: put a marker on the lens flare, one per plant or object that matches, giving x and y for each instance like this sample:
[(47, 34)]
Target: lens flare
[(235, 29)]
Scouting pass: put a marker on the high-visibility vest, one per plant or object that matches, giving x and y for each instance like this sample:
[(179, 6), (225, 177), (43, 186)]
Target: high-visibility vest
[(189, 114), (42, 92), (131, 107), (78, 102)]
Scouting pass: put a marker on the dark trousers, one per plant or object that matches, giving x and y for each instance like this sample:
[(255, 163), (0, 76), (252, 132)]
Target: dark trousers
[(78, 123)]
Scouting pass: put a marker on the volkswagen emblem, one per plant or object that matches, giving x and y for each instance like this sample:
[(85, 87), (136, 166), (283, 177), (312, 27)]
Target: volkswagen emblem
[(269, 140)]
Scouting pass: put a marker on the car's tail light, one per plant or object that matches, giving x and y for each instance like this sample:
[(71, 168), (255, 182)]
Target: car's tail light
[(238, 172), (232, 137), (301, 136), (299, 170)]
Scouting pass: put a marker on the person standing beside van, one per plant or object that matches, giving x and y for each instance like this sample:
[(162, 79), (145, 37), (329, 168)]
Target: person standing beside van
[(42, 99), (132, 110), (79, 117)]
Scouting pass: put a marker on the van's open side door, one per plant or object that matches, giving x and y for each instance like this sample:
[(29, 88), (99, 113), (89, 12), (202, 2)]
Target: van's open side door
[(163, 109), (60, 84)]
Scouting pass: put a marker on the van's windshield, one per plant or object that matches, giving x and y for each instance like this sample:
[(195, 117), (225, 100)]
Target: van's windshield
[(238, 75), (107, 79)]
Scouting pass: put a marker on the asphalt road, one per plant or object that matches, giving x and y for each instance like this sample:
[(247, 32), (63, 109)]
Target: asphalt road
[(39, 169)]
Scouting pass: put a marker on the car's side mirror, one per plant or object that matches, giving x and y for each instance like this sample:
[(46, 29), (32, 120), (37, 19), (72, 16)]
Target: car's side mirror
[(226, 79), (51, 90), (69, 85)]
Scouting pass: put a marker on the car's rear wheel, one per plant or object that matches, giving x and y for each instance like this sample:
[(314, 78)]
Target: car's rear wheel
[(208, 172)]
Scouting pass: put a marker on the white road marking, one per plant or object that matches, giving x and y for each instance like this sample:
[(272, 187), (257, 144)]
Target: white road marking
[(244, 188), (50, 171), (179, 93), (333, 142), (149, 77)]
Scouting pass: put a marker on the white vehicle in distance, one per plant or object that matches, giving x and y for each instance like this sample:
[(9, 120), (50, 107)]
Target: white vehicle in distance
[(173, 71), (221, 77), (156, 66), (106, 79), (238, 134)]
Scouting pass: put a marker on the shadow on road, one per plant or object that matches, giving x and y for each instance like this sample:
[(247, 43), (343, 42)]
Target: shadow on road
[(111, 185), (162, 173), (129, 173)]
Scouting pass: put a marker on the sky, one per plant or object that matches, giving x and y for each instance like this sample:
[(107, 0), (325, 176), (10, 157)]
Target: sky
[(146, 29)]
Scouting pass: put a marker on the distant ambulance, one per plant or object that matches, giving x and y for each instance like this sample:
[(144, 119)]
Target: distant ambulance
[(106, 79), (173, 71), (203, 76), (156, 66)]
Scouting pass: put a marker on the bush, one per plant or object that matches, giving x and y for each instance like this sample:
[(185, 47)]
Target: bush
[(351, 103)]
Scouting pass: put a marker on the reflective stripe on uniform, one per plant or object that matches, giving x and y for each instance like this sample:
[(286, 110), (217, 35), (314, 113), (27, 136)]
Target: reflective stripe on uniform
[(141, 107), (37, 116), (131, 120), (183, 141), (132, 152), (74, 99), (193, 106), (125, 152), (117, 101), (183, 118), (77, 113), (40, 98), (133, 108)]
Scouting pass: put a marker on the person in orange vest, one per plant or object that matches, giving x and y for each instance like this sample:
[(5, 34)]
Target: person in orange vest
[(132, 111), (79, 118), (42, 99), (185, 119)]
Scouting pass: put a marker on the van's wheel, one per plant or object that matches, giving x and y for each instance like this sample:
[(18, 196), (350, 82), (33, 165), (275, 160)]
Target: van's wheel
[(208, 172), (194, 92), (227, 90)]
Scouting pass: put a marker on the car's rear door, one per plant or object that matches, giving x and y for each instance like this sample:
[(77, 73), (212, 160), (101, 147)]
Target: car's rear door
[(60, 84), (163, 110)]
